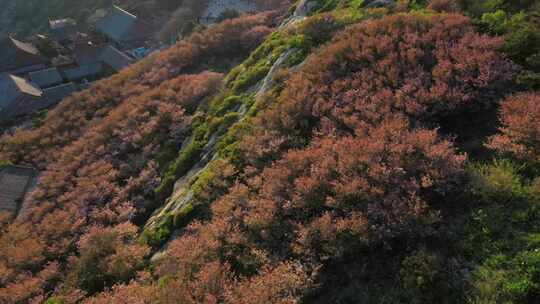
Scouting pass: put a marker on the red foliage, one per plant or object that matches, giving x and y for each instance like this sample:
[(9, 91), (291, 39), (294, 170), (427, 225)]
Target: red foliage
[(423, 66), (133, 293), (520, 130), (226, 43), (338, 164), (283, 284), (313, 205), (371, 187), (106, 176), (353, 166), (107, 254), (97, 149), (255, 36), (21, 250)]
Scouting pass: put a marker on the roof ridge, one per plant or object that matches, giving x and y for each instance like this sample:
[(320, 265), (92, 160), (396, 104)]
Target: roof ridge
[(18, 167), (27, 47), (125, 11), (25, 86)]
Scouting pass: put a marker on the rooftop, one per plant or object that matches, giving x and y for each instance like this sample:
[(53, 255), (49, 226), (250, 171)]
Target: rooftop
[(61, 23), (63, 29), (46, 78), (87, 53), (13, 87), (19, 97), (83, 71), (115, 58), (26, 47), (15, 54), (117, 24), (15, 182), (59, 92)]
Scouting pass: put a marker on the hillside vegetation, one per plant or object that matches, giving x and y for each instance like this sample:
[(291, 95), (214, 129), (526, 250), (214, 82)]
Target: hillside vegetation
[(332, 153)]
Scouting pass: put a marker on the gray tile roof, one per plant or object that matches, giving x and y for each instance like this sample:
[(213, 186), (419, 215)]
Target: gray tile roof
[(83, 71), (117, 24), (56, 94), (13, 88), (85, 53), (46, 78), (115, 58), (15, 55), (91, 59), (26, 47), (63, 29), (15, 182), (23, 98)]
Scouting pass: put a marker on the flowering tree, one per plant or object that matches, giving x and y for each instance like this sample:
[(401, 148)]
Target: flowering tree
[(520, 130), (425, 67)]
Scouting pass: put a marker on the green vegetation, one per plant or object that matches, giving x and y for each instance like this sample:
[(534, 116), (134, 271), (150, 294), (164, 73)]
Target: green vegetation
[(220, 120), (502, 234), (518, 22)]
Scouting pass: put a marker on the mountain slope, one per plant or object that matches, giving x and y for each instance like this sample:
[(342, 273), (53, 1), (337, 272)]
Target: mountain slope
[(121, 131), (325, 165)]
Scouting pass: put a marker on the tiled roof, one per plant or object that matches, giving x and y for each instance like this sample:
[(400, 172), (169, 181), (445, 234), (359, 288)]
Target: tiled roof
[(23, 98), (13, 88), (115, 58), (90, 59), (117, 24), (15, 182), (15, 54), (25, 86), (83, 71), (26, 47), (63, 29), (46, 78), (56, 94), (87, 53)]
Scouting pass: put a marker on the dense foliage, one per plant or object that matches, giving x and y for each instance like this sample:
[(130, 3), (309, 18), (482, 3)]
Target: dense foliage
[(328, 167), (520, 119), (340, 179), (109, 143)]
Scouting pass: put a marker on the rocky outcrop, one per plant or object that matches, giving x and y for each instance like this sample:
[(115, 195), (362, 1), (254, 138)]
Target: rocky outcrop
[(303, 9)]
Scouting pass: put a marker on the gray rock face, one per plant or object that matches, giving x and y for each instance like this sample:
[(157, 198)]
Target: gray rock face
[(267, 83), (303, 9)]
